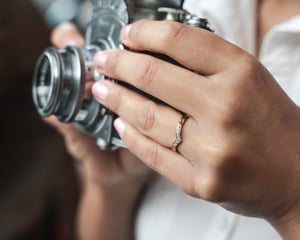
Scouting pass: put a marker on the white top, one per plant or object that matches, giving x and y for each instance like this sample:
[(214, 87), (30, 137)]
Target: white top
[(167, 213)]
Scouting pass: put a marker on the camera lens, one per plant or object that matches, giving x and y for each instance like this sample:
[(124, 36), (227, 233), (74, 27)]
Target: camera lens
[(59, 83), (60, 88)]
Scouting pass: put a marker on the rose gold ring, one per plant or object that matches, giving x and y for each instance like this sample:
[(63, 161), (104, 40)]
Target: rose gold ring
[(179, 128)]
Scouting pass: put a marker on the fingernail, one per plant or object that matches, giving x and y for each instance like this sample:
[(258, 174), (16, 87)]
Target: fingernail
[(125, 31), (100, 91), (100, 60), (75, 42), (120, 126)]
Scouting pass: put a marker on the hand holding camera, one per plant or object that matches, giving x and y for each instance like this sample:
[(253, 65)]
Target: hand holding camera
[(223, 148), (233, 149), (62, 76), (114, 179)]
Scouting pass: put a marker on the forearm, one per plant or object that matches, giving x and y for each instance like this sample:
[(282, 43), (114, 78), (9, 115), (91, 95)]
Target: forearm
[(104, 217)]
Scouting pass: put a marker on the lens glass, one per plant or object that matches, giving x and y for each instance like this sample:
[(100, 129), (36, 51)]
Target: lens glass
[(44, 80)]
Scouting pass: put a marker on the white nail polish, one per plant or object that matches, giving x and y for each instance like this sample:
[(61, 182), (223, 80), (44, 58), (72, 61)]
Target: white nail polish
[(120, 126)]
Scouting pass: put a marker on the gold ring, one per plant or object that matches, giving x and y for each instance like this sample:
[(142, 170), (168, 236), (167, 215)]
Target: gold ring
[(179, 128)]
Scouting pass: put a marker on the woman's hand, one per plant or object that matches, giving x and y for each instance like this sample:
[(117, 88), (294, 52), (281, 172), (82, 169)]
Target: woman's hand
[(241, 141), (103, 167), (112, 181)]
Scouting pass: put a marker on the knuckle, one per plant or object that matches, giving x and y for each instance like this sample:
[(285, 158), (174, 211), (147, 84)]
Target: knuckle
[(210, 187), (246, 71), (249, 64), (228, 156), (233, 106), (113, 63), (232, 113), (192, 189), (138, 29), (147, 73), (146, 118), (172, 33)]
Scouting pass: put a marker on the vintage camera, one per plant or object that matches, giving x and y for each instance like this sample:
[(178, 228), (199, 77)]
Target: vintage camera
[(62, 75)]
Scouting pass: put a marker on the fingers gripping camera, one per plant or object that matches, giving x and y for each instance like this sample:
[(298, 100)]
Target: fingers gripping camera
[(62, 75)]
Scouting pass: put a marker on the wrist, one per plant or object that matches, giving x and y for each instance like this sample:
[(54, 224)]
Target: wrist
[(114, 196), (101, 213), (288, 226), (126, 184)]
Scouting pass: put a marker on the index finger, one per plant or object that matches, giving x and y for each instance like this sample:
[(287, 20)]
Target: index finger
[(195, 48)]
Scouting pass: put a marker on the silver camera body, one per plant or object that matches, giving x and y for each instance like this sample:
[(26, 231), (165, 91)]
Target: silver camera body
[(61, 75)]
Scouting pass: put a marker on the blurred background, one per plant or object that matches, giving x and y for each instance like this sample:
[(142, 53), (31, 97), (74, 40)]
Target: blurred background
[(38, 184)]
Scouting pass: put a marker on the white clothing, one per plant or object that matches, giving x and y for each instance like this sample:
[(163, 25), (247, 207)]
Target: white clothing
[(167, 213)]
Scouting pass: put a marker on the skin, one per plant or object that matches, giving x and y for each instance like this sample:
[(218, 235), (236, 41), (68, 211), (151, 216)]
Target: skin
[(240, 143), (111, 181)]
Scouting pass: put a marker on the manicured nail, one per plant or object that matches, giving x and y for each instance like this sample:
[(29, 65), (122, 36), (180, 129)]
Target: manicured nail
[(75, 42), (100, 60), (100, 91), (125, 31), (120, 126)]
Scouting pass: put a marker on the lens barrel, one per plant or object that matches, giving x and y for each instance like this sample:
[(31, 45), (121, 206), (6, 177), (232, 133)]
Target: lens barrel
[(59, 88), (58, 85)]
